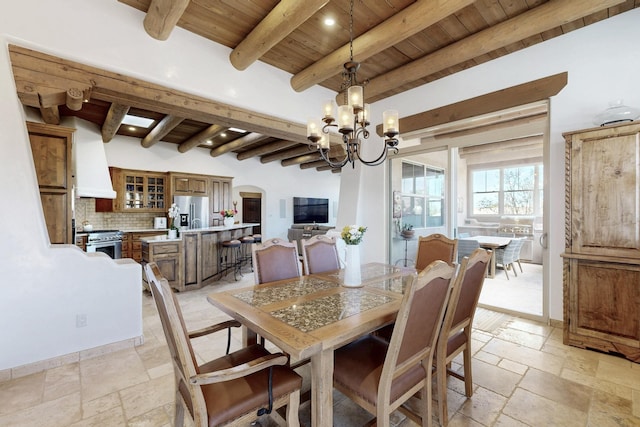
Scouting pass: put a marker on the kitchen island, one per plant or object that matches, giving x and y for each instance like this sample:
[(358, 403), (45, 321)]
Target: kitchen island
[(191, 260)]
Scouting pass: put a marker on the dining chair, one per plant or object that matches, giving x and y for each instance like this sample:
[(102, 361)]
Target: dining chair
[(466, 248), (275, 259), (234, 389), (508, 255), (320, 254), (435, 247), (381, 375), (455, 336)]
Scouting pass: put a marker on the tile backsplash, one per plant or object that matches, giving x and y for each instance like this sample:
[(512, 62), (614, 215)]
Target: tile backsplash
[(85, 210)]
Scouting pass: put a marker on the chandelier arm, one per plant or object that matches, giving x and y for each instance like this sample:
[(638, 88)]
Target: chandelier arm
[(381, 158), (332, 164)]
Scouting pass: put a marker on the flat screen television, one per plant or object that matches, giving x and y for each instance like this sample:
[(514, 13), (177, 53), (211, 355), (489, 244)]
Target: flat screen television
[(307, 210)]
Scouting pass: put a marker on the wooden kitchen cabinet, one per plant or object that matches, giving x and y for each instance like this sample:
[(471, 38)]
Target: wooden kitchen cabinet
[(602, 255), (188, 184), (220, 196), (168, 256), (51, 149), (137, 191), (132, 245)]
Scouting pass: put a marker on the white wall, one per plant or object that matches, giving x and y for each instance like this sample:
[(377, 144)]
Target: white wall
[(603, 63), (44, 288)]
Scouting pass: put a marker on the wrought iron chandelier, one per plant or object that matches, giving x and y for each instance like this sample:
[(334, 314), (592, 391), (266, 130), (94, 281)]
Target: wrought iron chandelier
[(352, 119)]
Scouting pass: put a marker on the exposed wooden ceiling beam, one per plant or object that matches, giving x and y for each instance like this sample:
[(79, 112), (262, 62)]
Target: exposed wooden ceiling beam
[(114, 87), (397, 28), (202, 137), (114, 119), (162, 129), (298, 150), (522, 94), (74, 99), (537, 20), (285, 17), (266, 148), (311, 157), (162, 17), (311, 165), (51, 115), (237, 143)]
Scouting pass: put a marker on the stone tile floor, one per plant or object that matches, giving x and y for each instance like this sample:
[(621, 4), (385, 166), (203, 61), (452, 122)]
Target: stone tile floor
[(523, 376)]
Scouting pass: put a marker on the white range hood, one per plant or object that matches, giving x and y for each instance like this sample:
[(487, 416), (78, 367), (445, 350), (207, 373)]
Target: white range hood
[(90, 162)]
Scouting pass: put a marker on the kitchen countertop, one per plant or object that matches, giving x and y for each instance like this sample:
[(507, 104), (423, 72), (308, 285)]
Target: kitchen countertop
[(218, 228), (159, 239)]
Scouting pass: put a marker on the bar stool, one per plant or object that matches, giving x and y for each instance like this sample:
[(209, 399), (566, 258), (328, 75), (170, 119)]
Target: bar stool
[(246, 242), (230, 258), (257, 238)]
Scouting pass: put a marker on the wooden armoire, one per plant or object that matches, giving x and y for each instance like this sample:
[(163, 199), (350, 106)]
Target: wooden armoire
[(602, 232)]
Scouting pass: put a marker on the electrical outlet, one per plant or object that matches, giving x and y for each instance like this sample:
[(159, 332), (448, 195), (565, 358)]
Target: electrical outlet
[(81, 320)]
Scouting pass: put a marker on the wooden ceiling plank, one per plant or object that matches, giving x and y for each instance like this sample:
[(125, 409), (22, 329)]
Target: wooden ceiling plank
[(202, 137), (278, 24), (166, 125), (400, 26), (162, 16), (266, 148), (542, 18), (114, 119), (495, 101), (237, 143)]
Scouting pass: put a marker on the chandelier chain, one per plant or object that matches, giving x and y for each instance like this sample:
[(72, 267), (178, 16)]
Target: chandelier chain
[(351, 31)]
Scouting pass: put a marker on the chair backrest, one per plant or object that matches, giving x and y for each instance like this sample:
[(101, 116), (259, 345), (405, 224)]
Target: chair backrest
[(466, 248), (320, 254), (510, 253), (435, 247), (175, 331), (418, 322), (465, 294), (275, 259)]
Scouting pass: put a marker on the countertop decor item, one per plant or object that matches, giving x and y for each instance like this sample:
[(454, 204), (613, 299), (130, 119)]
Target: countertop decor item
[(174, 212), (352, 236), (616, 113), (228, 216)]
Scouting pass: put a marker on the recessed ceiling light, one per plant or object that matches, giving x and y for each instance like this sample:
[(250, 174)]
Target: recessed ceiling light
[(223, 134), (132, 128), (329, 22), (137, 121), (237, 130)]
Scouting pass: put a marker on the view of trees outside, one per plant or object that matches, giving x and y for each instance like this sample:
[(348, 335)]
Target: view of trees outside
[(505, 191)]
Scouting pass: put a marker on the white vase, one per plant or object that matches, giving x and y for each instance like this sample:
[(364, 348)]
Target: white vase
[(228, 221), (173, 234), (352, 266)]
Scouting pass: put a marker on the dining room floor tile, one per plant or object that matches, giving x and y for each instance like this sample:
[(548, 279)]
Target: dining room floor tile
[(523, 376)]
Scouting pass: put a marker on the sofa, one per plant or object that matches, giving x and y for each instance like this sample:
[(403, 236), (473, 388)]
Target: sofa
[(297, 232)]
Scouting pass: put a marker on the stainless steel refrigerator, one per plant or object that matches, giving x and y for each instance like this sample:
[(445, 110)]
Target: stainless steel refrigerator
[(194, 211)]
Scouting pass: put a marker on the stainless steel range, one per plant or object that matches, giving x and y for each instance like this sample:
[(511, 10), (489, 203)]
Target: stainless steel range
[(105, 241)]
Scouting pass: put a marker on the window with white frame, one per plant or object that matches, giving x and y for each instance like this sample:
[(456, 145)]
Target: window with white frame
[(422, 195), (506, 190)]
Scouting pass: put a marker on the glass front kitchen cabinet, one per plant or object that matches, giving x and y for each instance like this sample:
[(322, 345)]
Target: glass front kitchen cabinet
[(140, 191)]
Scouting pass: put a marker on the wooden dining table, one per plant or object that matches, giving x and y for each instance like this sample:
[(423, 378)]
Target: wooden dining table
[(310, 316), (492, 243)]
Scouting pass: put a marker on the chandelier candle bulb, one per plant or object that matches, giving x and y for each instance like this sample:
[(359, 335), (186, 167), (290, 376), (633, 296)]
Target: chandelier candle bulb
[(324, 142), (313, 128), (345, 118), (390, 120), (327, 110), (354, 95)]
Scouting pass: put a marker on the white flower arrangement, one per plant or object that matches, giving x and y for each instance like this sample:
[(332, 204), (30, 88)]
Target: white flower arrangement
[(352, 234), (174, 211)]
